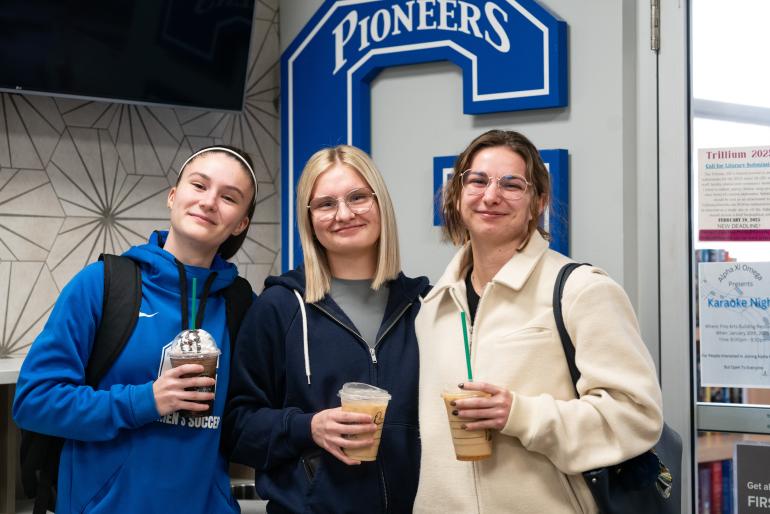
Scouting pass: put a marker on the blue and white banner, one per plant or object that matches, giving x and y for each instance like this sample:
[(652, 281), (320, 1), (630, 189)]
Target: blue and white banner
[(513, 55)]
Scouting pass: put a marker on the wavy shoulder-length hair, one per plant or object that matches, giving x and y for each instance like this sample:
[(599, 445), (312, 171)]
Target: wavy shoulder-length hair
[(317, 271), (454, 229)]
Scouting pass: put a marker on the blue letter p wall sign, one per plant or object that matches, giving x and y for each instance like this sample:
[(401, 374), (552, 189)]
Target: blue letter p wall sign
[(512, 54)]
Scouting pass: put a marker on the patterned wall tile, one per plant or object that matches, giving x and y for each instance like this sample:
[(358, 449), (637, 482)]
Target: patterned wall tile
[(5, 143), (21, 150), (42, 122), (27, 295), (30, 215), (79, 177), (107, 208)]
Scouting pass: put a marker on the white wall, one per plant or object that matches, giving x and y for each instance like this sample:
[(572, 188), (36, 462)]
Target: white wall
[(417, 114)]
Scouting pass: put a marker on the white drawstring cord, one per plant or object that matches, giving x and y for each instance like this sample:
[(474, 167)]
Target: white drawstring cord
[(304, 334)]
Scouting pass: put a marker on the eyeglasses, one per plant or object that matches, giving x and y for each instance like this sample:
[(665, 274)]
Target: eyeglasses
[(510, 187), (358, 201)]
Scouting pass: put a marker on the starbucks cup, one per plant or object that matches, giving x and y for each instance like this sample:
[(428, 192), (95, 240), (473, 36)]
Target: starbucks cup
[(196, 347), (469, 445), (366, 399)]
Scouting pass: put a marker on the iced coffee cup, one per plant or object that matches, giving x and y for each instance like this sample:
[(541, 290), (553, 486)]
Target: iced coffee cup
[(196, 347), (470, 445), (366, 399)]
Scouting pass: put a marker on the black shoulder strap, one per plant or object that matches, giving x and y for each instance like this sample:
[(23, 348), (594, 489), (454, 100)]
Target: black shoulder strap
[(238, 297), (120, 310), (566, 340)]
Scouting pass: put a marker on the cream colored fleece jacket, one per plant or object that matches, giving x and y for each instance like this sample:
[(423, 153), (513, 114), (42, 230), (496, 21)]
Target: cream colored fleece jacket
[(550, 436)]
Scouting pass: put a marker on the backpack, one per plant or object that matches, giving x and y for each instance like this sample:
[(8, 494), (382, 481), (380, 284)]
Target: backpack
[(120, 311)]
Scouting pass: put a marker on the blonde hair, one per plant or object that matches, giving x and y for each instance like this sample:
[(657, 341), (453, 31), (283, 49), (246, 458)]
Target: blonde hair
[(317, 271)]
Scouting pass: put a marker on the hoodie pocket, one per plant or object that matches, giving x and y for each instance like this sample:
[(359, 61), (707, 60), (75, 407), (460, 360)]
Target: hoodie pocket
[(104, 490), (312, 468), (337, 488), (310, 462)]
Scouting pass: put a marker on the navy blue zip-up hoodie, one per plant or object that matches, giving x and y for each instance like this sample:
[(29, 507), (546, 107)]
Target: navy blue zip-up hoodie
[(272, 400)]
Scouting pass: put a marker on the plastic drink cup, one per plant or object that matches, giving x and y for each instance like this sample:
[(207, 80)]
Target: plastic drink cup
[(196, 347), (366, 399), (470, 445)]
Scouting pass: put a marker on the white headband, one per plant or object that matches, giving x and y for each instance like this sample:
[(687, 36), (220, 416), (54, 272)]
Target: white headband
[(231, 152)]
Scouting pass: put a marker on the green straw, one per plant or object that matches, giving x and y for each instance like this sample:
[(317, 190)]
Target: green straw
[(194, 306), (467, 347)]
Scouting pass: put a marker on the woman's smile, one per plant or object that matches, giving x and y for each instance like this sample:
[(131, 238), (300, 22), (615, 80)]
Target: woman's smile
[(348, 229), (202, 219), (485, 214)]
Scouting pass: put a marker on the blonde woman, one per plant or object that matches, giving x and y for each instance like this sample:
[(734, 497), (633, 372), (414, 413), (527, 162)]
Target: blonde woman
[(503, 278), (346, 315)]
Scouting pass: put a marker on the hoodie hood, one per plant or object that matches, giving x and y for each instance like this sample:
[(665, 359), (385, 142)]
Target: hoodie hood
[(292, 279), (161, 269)]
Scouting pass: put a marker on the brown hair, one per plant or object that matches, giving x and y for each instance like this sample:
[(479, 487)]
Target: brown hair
[(453, 228)]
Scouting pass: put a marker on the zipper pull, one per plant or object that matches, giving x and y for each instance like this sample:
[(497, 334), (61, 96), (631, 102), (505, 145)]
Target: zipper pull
[(374, 355)]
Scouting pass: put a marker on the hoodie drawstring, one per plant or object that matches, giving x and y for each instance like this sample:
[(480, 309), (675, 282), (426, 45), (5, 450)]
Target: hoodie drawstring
[(183, 293), (304, 334)]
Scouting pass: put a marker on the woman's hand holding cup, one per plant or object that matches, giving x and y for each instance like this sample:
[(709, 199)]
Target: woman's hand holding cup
[(490, 412), (331, 429)]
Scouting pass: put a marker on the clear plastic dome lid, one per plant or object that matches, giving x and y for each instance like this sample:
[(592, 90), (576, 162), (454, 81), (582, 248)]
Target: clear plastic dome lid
[(188, 343), (361, 391)]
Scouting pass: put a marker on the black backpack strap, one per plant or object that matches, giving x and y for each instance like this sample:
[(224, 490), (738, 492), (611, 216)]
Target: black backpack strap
[(45, 498), (120, 310), (238, 298), (566, 340)]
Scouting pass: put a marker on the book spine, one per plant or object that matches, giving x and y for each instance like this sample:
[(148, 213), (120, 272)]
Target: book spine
[(727, 486), (716, 487), (704, 487)]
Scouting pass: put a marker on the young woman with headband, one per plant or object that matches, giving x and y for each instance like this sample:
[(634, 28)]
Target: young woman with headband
[(127, 446)]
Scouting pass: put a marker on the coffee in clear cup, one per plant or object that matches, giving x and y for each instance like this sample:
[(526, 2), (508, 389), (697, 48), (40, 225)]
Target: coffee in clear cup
[(469, 445), (366, 399)]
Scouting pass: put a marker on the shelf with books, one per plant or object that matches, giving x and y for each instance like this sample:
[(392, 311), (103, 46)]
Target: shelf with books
[(715, 487), (715, 470)]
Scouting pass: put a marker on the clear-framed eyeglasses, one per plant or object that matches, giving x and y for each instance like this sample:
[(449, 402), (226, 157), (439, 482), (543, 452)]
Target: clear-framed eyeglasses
[(510, 187), (358, 201)]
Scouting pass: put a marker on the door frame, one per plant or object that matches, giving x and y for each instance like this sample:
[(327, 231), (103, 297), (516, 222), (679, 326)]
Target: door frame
[(675, 276)]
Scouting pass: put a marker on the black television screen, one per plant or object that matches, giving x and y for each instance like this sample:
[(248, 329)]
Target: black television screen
[(191, 53)]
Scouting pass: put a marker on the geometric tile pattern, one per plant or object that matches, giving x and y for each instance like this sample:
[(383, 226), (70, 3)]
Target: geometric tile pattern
[(79, 178)]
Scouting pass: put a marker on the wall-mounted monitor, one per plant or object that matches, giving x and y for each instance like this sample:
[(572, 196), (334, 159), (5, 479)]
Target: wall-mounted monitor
[(191, 53)]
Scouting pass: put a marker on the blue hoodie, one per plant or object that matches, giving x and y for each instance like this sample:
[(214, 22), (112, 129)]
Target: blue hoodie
[(119, 455), (276, 390)]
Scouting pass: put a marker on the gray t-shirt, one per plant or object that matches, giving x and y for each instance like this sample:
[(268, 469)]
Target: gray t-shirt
[(363, 305)]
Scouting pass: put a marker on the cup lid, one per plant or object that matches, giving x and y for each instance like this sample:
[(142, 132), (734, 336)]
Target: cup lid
[(193, 343), (361, 391)]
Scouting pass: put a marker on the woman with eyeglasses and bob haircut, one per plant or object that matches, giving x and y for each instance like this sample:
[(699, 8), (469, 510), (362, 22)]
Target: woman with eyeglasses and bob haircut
[(345, 315), (502, 279), (146, 437)]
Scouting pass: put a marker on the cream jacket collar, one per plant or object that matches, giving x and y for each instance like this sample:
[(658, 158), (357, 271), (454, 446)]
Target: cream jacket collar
[(513, 274)]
